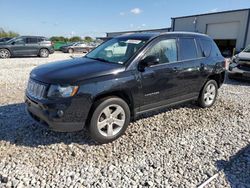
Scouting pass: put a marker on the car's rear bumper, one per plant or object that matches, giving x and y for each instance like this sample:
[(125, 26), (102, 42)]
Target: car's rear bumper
[(49, 116), (51, 51)]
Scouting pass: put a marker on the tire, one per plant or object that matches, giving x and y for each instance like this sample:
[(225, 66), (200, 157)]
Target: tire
[(104, 129), (4, 53), (71, 51), (208, 94), (43, 53)]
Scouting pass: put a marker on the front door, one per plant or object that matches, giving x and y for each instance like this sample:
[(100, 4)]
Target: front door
[(18, 46), (159, 82)]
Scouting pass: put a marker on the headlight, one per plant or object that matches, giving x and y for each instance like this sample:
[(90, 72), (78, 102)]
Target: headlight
[(62, 91)]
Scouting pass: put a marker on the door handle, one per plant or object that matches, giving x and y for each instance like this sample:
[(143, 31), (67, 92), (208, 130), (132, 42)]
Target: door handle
[(175, 69), (202, 67)]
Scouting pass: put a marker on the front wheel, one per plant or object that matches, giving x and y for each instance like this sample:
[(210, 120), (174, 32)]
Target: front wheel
[(4, 53), (71, 51), (110, 119), (208, 94)]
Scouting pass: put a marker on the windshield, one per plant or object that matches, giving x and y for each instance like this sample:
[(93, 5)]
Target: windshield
[(117, 50), (12, 40), (247, 49)]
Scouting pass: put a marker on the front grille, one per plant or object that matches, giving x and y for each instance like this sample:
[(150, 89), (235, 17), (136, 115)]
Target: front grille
[(35, 89)]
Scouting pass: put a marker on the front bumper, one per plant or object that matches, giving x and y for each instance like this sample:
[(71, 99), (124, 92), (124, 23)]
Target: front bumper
[(65, 50), (47, 114), (236, 73)]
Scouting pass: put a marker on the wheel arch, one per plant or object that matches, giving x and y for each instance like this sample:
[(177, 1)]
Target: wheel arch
[(124, 95), (219, 78)]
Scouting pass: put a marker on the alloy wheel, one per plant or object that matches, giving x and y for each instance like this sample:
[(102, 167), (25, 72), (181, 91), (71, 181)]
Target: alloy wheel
[(44, 53), (111, 120), (210, 94), (4, 53)]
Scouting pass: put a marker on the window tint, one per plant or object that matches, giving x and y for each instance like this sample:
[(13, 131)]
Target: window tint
[(215, 50), (31, 40), (117, 50), (199, 50), (19, 41), (187, 49), (206, 46), (165, 50), (41, 39)]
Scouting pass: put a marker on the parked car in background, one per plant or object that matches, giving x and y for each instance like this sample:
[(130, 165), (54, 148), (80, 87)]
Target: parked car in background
[(105, 89), (5, 39), (76, 47), (239, 68), (26, 46)]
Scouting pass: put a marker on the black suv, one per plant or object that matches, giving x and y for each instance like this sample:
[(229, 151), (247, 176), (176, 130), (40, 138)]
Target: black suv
[(26, 46), (123, 78)]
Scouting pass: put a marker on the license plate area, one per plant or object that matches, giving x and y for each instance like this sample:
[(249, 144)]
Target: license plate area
[(246, 74)]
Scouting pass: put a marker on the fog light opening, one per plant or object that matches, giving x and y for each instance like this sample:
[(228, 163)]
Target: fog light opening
[(60, 113)]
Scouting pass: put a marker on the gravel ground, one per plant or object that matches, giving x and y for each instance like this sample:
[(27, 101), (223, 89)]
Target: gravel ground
[(178, 147)]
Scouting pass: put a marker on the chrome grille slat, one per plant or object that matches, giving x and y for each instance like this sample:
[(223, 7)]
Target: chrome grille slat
[(35, 89)]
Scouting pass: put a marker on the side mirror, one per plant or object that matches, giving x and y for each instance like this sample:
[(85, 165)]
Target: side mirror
[(148, 61)]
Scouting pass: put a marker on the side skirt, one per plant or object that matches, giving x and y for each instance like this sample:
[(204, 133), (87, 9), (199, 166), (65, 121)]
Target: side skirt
[(163, 105)]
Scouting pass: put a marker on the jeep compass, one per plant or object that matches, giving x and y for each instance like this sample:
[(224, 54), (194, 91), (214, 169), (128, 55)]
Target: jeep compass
[(123, 78)]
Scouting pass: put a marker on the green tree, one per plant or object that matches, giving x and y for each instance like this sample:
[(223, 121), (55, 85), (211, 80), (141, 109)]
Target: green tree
[(75, 39), (59, 39), (4, 33), (88, 39)]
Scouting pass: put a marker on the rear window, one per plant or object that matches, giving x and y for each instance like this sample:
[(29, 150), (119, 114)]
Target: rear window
[(206, 46), (187, 49), (215, 50), (31, 40), (41, 39)]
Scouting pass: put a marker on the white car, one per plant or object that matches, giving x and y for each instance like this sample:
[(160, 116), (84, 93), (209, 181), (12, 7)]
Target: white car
[(240, 66)]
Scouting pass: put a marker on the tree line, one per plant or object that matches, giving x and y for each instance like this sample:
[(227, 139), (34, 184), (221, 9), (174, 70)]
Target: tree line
[(10, 34), (72, 39)]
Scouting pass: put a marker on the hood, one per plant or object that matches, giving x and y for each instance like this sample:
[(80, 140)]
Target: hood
[(73, 70), (244, 56), (64, 46), (3, 43)]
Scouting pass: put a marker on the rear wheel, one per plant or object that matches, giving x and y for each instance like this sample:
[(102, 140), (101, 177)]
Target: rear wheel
[(4, 53), (110, 119), (208, 94), (44, 53)]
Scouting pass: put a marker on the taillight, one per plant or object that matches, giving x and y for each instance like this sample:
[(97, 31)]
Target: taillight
[(226, 63)]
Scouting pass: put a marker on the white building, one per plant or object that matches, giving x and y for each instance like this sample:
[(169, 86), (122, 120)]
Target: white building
[(229, 29)]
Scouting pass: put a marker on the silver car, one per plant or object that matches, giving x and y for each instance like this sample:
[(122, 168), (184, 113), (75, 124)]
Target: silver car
[(240, 66)]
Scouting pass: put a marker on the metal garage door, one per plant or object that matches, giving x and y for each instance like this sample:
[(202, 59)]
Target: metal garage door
[(223, 30)]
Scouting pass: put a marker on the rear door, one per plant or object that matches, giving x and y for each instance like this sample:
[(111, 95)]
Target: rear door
[(189, 72), (32, 46)]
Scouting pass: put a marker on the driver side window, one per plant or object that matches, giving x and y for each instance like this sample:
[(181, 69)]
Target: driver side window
[(165, 50), (19, 41)]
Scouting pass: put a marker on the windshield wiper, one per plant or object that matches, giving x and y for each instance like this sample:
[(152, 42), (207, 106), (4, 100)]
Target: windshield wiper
[(99, 59)]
